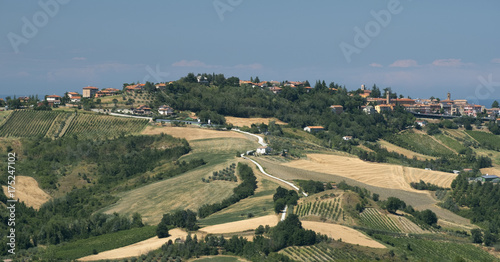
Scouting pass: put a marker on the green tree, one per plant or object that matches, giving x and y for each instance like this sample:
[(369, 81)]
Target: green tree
[(115, 101), (137, 220), (495, 104), (162, 230), (393, 204), (476, 235)]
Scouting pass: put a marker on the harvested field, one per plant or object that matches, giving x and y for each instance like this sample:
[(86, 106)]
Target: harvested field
[(379, 175), (420, 200), (190, 133), (241, 226), (28, 191), (137, 249), (240, 121), (408, 153), (347, 234)]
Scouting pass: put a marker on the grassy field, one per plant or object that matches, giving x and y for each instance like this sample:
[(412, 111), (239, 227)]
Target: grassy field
[(420, 143), (487, 140), (260, 204), (404, 151), (85, 247), (186, 191), (435, 250), (3, 116), (240, 121), (450, 142)]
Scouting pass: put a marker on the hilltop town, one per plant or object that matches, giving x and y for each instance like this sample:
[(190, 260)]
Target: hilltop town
[(377, 101)]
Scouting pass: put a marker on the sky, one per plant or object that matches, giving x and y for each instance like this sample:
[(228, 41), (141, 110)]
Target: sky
[(418, 48)]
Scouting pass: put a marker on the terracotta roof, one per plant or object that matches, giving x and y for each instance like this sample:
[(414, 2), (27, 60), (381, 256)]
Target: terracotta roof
[(54, 96), (91, 87), (336, 106), (315, 127)]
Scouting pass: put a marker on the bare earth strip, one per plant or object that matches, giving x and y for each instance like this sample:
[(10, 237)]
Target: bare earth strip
[(375, 174), (28, 191), (418, 200), (138, 248), (347, 234), (190, 133), (403, 151), (241, 226), (239, 121)]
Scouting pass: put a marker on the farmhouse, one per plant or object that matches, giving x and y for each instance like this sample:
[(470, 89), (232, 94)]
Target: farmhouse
[(275, 89), (142, 110), (421, 123), (161, 85), (337, 109), (89, 91), (133, 88), (347, 138), (165, 110), (311, 129), (264, 150), (72, 94), (53, 100), (76, 99)]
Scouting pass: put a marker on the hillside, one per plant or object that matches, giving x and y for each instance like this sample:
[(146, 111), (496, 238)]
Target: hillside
[(54, 124)]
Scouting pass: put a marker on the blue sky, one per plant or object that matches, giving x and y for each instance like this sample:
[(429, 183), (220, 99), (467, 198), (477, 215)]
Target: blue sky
[(422, 49)]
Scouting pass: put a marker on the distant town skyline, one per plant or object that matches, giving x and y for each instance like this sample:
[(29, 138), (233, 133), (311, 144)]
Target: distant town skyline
[(418, 48)]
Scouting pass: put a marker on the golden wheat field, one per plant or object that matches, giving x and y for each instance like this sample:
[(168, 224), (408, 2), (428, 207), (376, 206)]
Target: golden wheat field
[(375, 174)]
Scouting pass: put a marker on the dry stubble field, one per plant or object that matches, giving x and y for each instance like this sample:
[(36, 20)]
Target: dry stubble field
[(408, 153), (239, 121), (375, 174), (28, 191), (347, 234)]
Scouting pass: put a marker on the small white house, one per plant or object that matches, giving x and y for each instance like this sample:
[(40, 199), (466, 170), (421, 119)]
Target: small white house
[(347, 138), (421, 123), (311, 129), (263, 150)]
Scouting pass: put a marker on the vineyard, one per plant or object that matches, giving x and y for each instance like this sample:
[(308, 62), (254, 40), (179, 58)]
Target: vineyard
[(329, 208), (372, 218), (102, 126), (52, 124), (322, 253), (28, 123)]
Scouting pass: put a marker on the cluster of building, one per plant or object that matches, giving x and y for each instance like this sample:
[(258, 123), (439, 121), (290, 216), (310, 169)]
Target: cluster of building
[(447, 107)]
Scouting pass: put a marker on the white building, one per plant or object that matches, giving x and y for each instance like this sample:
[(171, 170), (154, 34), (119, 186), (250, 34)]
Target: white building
[(263, 150)]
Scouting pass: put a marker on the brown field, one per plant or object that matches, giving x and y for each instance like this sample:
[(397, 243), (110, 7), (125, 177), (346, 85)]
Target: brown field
[(27, 191), (138, 248), (491, 171), (241, 226), (347, 234), (190, 133), (239, 259), (404, 151), (375, 174), (186, 191), (239, 121)]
